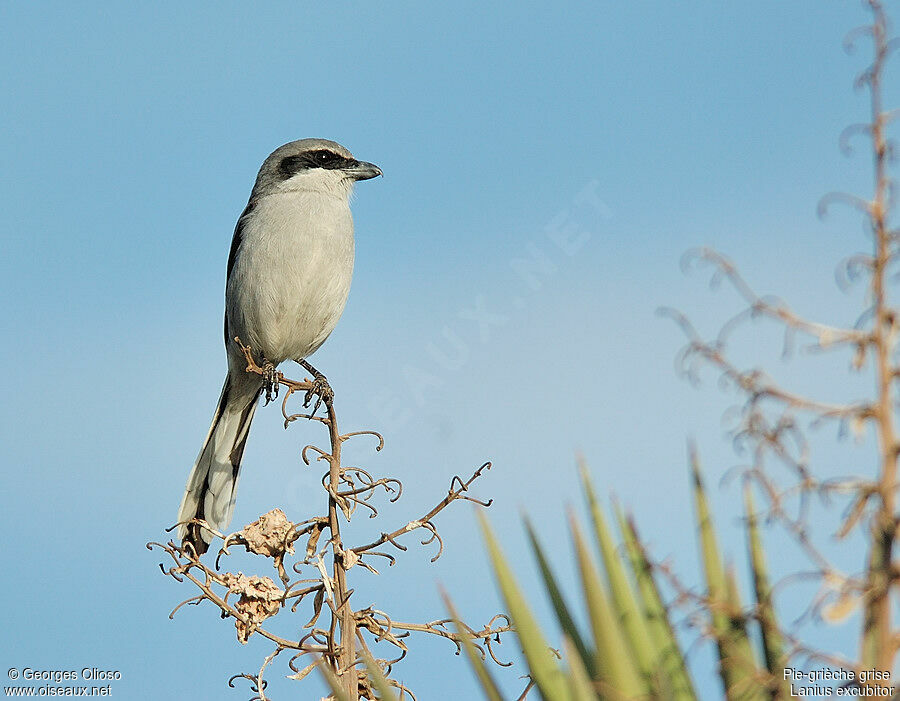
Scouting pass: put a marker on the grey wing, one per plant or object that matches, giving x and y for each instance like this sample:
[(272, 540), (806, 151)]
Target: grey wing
[(236, 240)]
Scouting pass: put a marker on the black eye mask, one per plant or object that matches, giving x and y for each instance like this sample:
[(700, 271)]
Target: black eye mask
[(323, 158)]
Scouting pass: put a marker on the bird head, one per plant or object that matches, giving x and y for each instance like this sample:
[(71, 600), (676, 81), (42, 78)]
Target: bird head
[(312, 164)]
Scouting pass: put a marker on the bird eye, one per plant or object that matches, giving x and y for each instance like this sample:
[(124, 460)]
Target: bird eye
[(323, 156)]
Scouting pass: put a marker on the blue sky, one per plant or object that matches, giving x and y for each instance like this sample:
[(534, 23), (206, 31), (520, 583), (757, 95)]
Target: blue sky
[(131, 135)]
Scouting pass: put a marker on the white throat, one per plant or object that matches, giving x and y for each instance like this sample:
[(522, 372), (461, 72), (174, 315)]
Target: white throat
[(319, 181)]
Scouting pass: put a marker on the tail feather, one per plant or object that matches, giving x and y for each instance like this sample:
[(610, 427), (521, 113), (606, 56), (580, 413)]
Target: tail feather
[(212, 484)]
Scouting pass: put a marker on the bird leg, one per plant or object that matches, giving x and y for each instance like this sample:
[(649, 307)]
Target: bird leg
[(270, 381), (320, 389)]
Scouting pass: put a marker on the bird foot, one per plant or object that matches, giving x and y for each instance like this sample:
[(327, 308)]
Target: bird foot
[(270, 381), (321, 390)]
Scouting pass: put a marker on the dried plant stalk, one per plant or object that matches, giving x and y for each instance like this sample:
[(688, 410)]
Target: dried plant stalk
[(344, 645), (773, 418)]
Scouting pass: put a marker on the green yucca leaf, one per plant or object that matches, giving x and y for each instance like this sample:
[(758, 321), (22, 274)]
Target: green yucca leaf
[(382, 685), (488, 685), (737, 666), (614, 664), (747, 682), (732, 595), (541, 663), (737, 619), (671, 661), (630, 616), (579, 680), (566, 622), (879, 561), (772, 641), (333, 682)]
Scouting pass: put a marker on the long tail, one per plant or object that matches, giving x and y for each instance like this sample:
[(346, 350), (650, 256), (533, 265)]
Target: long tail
[(212, 484)]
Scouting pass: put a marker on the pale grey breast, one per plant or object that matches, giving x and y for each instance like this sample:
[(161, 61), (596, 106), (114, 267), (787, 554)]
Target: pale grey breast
[(291, 276)]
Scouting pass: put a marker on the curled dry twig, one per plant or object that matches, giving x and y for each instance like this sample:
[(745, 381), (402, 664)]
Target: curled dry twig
[(253, 600), (772, 419)]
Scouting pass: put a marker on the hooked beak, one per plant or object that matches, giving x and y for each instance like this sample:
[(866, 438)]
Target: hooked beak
[(361, 170)]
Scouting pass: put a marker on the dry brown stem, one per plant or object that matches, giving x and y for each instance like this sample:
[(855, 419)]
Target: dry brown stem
[(324, 564), (772, 419)]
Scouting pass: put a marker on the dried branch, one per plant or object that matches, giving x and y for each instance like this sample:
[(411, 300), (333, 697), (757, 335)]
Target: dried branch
[(768, 423), (755, 383), (323, 566), (453, 494), (826, 336)]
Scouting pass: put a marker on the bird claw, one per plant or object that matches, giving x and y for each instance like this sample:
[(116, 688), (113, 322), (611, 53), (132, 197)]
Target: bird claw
[(322, 391), (270, 381)]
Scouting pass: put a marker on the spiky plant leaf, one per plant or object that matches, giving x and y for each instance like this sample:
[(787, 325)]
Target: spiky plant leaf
[(736, 664), (382, 685), (614, 663), (579, 680), (566, 622), (488, 685), (625, 605), (743, 646), (655, 614), (879, 562), (337, 689), (770, 633), (541, 663)]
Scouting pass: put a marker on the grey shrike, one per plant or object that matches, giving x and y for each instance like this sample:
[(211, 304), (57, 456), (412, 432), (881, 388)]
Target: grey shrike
[(288, 278)]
